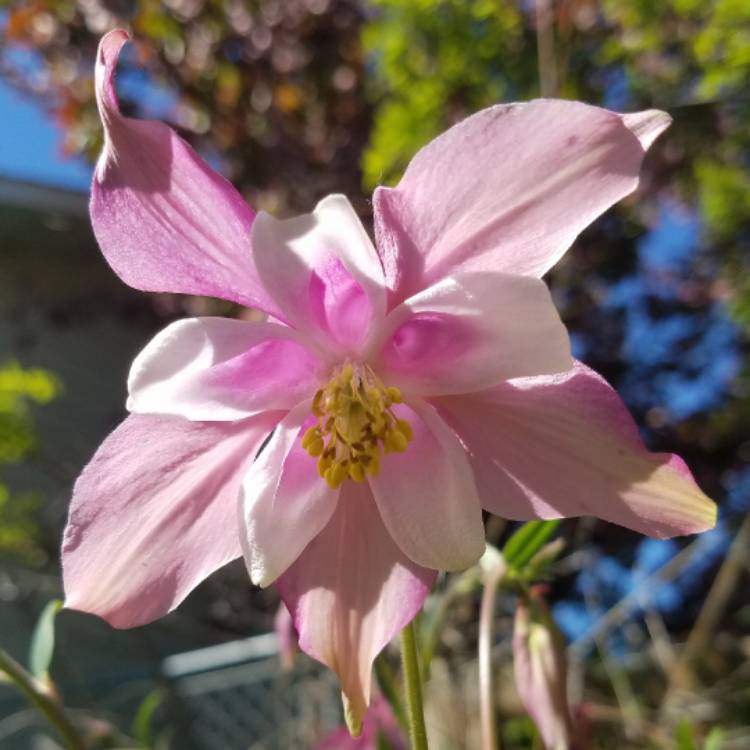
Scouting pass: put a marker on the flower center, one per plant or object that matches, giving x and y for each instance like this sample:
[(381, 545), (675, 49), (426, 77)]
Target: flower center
[(355, 420)]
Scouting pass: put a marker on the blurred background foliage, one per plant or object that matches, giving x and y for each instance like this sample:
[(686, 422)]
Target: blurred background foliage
[(19, 389), (297, 99)]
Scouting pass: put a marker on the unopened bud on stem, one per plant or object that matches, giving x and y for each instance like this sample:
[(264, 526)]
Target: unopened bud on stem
[(540, 666)]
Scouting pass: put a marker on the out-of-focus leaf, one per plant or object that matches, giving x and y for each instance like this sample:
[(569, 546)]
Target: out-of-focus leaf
[(684, 736), (714, 740), (527, 541), (142, 723), (435, 62), (43, 640)]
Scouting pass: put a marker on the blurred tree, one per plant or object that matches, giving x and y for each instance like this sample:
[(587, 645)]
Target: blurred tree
[(697, 55), (269, 89), (436, 61)]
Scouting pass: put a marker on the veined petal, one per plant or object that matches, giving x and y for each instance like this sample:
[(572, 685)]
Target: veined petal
[(470, 332), (284, 502), (323, 272), (154, 513), (165, 221), (427, 495), (216, 369), (350, 592), (565, 445), (548, 169)]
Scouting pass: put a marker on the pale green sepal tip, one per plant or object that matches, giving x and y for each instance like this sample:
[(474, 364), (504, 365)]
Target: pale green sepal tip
[(353, 723), (43, 640)]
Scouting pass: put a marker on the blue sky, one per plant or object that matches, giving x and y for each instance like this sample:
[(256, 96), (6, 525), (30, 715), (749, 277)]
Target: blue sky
[(30, 140), (30, 145)]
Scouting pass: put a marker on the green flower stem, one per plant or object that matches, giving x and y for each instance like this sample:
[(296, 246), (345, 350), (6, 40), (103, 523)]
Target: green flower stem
[(413, 689), (35, 693)]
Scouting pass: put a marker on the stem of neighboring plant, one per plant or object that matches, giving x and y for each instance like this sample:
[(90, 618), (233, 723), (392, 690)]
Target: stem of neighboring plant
[(35, 693), (490, 737), (413, 689), (461, 585), (545, 41)]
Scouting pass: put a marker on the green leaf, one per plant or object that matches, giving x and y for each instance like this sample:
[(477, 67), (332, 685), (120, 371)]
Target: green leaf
[(684, 736), (527, 541), (142, 723), (43, 640), (714, 740)]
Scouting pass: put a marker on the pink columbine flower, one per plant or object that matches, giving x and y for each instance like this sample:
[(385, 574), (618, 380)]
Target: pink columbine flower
[(406, 385)]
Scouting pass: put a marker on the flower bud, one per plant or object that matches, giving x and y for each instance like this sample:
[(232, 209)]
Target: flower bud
[(540, 666), (286, 634)]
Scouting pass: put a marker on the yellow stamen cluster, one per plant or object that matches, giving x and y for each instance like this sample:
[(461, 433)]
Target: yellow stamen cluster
[(355, 421)]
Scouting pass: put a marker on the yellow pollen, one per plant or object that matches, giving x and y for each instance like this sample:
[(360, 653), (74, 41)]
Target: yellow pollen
[(355, 421)]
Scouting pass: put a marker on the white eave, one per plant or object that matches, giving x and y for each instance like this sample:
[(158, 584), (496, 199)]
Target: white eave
[(43, 198)]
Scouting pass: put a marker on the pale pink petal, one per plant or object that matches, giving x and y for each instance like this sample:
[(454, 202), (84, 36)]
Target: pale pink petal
[(284, 502), (565, 445), (350, 592), (427, 495), (508, 189), (323, 272), (154, 513), (165, 221), (471, 332), (647, 125), (216, 369)]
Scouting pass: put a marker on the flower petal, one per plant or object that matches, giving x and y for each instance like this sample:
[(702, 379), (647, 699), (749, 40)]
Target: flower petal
[(165, 221), (508, 189), (350, 592), (564, 446), (216, 369), (427, 495), (154, 513), (284, 504), (323, 272), (470, 332)]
